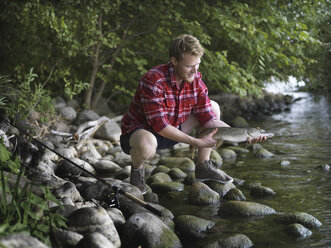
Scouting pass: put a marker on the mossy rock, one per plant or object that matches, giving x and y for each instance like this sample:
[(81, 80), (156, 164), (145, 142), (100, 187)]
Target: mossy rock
[(245, 209)]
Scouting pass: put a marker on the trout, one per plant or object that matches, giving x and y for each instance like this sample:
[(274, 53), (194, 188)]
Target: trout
[(235, 135)]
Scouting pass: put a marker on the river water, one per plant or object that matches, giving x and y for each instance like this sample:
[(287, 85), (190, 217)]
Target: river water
[(302, 137)]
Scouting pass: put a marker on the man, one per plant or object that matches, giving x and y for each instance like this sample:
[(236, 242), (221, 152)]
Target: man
[(170, 101)]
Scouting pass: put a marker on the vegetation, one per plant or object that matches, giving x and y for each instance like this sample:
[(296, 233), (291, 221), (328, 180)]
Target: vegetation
[(94, 48), (21, 209)]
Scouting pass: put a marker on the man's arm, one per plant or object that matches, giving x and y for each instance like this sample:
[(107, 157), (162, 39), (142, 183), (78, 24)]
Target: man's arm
[(175, 134)]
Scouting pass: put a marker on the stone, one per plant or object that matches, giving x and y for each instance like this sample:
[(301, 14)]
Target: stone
[(94, 219), (65, 238), (164, 187), (159, 177), (302, 218), (192, 227), (110, 130), (201, 194), (176, 173), (160, 168), (106, 166), (19, 240), (85, 116), (147, 230), (220, 188), (263, 153), (262, 191), (245, 209), (235, 194), (228, 154), (239, 121), (95, 240), (68, 190), (185, 164), (65, 167), (68, 113), (298, 230), (236, 240)]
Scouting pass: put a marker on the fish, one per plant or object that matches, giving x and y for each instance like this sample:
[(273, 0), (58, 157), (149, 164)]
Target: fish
[(235, 134)]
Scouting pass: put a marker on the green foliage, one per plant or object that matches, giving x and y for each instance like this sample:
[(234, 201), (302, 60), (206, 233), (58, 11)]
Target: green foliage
[(110, 44), (22, 94), (20, 208)]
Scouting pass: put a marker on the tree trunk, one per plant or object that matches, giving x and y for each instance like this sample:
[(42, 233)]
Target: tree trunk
[(95, 68)]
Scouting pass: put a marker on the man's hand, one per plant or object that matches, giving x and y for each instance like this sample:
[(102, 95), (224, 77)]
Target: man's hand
[(207, 140), (259, 139)]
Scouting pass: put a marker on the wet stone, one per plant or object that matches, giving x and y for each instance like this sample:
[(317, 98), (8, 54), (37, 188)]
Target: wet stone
[(201, 194), (302, 218), (220, 188), (176, 173), (262, 191), (235, 194), (163, 187), (192, 227), (245, 209), (298, 230)]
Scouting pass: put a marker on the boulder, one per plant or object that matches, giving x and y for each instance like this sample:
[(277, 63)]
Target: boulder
[(192, 227), (201, 194), (245, 209), (147, 230)]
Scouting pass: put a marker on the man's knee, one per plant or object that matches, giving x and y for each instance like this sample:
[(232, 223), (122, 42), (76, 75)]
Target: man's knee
[(143, 143), (216, 108)]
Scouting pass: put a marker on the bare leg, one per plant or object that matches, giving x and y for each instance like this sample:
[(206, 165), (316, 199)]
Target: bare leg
[(143, 147), (192, 122)]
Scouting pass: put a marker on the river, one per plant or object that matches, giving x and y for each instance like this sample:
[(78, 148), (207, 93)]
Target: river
[(302, 137)]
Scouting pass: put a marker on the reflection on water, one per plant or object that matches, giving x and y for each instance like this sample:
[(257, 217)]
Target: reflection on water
[(302, 136)]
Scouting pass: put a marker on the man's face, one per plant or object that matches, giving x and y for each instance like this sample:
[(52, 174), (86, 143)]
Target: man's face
[(186, 68)]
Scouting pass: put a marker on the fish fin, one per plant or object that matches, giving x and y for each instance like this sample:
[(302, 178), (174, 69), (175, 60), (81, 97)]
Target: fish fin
[(219, 143)]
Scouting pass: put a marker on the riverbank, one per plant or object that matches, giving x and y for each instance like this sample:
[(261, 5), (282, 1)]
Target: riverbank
[(170, 180)]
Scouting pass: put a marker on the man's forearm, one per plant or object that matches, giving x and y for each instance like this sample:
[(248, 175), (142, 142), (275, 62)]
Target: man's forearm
[(215, 123), (175, 134)]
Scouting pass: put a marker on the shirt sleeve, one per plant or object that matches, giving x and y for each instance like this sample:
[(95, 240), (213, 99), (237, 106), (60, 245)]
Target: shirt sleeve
[(153, 102), (203, 109)]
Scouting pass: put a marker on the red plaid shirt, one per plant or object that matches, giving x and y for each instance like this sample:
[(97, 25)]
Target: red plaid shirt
[(158, 102)]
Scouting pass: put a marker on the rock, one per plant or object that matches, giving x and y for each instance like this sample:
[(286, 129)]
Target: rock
[(216, 158), (147, 230), (85, 116), (20, 240), (95, 240), (123, 173), (67, 152), (90, 154), (110, 130), (176, 173), (302, 218), (220, 188), (160, 168), (117, 217), (263, 153), (65, 238), (68, 190), (67, 168), (245, 209), (239, 149), (59, 102), (89, 220), (68, 113), (4, 138), (192, 227), (61, 126), (122, 158), (106, 166), (160, 177), (262, 191), (228, 154), (298, 230), (201, 194), (164, 187), (185, 164), (93, 190), (41, 173), (233, 241), (285, 163), (324, 167), (235, 194), (102, 146), (239, 121)]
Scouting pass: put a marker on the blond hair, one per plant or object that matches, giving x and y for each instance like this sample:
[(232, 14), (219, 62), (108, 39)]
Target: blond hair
[(185, 43)]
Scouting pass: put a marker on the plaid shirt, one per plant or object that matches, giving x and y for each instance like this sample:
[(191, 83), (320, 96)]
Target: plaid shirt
[(158, 102)]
